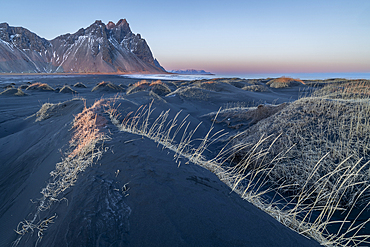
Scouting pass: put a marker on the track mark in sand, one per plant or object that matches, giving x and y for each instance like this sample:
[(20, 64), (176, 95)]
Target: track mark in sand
[(202, 181)]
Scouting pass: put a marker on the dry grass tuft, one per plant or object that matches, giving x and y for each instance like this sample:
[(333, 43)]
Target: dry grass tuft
[(157, 82), (212, 85), (80, 85), (315, 199), (159, 88), (66, 89), (191, 93), (255, 88), (142, 85), (106, 86), (40, 87), (88, 132), (349, 89), (13, 91), (312, 128), (237, 117), (283, 82), (88, 128), (48, 110)]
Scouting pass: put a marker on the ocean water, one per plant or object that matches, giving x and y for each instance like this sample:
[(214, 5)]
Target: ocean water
[(303, 76)]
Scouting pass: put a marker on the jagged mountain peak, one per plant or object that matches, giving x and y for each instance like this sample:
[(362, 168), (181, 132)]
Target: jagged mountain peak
[(99, 48), (122, 23), (110, 25), (4, 25)]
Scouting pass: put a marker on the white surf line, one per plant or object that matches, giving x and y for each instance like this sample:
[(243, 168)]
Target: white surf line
[(84, 153)]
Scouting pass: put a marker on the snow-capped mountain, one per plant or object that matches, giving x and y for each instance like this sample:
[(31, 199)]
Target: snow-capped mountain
[(99, 48), (23, 51)]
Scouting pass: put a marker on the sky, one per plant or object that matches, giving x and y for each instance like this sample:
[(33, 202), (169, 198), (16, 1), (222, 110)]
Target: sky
[(235, 36)]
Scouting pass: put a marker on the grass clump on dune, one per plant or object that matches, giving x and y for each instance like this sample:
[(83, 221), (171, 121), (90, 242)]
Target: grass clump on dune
[(313, 128), (237, 117), (13, 91), (142, 85), (40, 87), (157, 87), (88, 131), (192, 93), (255, 88), (349, 89), (106, 86), (211, 85), (283, 82), (255, 165), (67, 89), (80, 85)]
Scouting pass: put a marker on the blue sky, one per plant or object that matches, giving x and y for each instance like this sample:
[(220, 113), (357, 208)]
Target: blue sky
[(222, 36)]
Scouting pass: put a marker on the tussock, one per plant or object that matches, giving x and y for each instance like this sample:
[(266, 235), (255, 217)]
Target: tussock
[(80, 85), (192, 93), (87, 127), (66, 89), (48, 110), (255, 88), (40, 87), (349, 89), (106, 86), (158, 87), (250, 174), (236, 82), (312, 128), (237, 117), (211, 85), (142, 85), (283, 82), (13, 91)]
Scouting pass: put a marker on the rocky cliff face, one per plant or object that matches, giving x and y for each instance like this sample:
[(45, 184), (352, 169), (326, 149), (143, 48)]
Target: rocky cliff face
[(99, 48), (23, 51)]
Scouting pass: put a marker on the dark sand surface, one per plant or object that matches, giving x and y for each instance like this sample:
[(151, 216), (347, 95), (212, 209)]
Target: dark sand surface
[(136, 194)]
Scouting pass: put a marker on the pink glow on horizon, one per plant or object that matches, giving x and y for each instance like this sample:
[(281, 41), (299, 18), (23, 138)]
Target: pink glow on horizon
[(271, 67)]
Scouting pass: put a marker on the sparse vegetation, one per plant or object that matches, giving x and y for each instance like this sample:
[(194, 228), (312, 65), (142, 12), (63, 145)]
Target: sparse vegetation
[(80, 85), (236, 117), (313, 128), (106, 86), (158, 87), (138, 86), (255, 88), (319, 186), (191, 93), (13, 91), (67, 89), (283, 82), (302, 162), (40, 87), (349, 89), (87, 127)]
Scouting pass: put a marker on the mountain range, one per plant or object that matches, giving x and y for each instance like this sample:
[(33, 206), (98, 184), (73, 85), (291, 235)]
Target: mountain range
[(99, 48)]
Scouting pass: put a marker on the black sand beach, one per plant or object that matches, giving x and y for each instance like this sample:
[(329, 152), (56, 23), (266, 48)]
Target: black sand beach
[(134, 191)]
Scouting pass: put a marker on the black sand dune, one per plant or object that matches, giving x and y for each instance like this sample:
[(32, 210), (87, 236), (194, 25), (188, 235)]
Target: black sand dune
[(136, 193)]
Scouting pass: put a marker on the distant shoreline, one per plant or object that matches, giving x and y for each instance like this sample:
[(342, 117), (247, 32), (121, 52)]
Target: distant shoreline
[(173, 76)]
